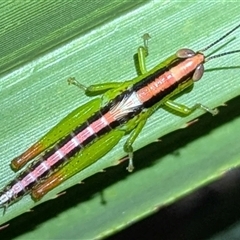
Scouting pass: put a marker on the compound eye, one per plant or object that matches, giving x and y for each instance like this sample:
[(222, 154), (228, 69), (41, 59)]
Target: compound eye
[(185, 53), (198, 73)]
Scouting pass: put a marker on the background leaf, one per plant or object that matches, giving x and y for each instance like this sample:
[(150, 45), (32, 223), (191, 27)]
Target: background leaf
[(43, 43)]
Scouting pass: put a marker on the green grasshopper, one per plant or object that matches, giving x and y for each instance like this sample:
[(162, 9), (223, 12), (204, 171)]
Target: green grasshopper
[(93, 129)]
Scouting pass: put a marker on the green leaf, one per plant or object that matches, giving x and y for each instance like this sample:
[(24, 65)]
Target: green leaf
[(44, 43)]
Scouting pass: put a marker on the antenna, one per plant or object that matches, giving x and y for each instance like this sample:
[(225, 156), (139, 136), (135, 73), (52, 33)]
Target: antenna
[(222, 54), (221, 38)]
